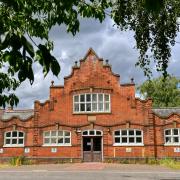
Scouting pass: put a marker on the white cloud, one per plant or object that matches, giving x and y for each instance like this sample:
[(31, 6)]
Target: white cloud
[(109, 43)]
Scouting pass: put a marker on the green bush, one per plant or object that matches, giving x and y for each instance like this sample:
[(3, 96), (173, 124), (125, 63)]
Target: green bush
[(19, 160), (152, 161)]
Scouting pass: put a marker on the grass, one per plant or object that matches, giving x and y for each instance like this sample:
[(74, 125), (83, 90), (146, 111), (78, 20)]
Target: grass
[(167, 162), (171, 163)]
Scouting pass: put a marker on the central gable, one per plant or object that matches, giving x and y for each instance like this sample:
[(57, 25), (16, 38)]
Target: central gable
[(91, 71)]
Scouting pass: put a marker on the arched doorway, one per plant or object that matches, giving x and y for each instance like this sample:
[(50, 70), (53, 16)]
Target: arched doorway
[(92, 145)]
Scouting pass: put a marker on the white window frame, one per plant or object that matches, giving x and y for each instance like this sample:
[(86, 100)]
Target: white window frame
[(127, 136), (11, 138), (56, 137), (171, 136), (95, 133), (91, 102)]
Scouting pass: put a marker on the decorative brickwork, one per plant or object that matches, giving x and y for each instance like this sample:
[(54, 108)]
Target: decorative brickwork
[(91, 76)]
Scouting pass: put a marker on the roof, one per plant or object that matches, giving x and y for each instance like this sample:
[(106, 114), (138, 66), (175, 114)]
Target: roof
[(20, 114), (165, 112)]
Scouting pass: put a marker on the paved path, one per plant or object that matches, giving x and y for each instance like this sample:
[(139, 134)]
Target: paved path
[(89, 171)]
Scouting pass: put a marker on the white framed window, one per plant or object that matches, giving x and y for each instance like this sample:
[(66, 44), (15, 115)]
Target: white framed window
[(172, 136), (128, 137), (95, 102), (92, 132), (14, 139), (57, 138)]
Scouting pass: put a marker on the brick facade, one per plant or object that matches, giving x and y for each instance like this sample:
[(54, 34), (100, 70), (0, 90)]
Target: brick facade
[(91, 75)]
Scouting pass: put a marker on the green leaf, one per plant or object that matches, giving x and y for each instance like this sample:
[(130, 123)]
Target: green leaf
[(28, 46), (55, 67)]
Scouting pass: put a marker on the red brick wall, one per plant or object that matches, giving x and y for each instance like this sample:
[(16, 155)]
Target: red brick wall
[(93, 76)]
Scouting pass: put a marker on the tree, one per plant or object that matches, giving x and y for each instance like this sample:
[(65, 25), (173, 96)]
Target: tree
[(20, 22), (153, 21), (155, 24), (164, 92)]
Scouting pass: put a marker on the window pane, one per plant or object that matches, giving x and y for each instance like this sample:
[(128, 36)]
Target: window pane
[(131, 132), (14, 141), (67, 140), (138, 140), (47, 141), (82, 98), (176, 139), (76, 107), (53, 140), (168, 139), (124, 132), (8, 141), (124, 139), (117, 140), (53, 133), (88, 107), (131, 140), (21, 134), (60, 140), (76, 98), (67, 133), (91, 132), (47, 133), (82, 106), (94, 106), (100, 97), (168, 132), (100, 106), (138, 133), (175, 131), (88, 97), (60, 133), (106, 96), (98, 132), (85, 133), (21, 141), (117, 133), (94, 97), (8, 134), (106, 108), (14, 134)]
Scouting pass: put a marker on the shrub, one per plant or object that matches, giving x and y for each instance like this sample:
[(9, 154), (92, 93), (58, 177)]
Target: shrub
[(19, 160)]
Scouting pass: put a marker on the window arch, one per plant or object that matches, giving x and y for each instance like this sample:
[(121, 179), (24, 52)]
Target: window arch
[(92, 132), (14, 138), (128, 137), (172, 136)]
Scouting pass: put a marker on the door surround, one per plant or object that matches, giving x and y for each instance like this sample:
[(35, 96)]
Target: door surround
[(92, 145)]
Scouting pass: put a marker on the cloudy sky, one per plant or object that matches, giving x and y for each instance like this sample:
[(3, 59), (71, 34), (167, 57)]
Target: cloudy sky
[(107, 41)]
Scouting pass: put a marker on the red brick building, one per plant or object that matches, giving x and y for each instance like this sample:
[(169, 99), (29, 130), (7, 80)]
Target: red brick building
[(91, 118)]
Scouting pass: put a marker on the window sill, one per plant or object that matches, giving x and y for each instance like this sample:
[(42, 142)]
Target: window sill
[(128, 145), (10, 146), (55, 145), (172, 144)]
